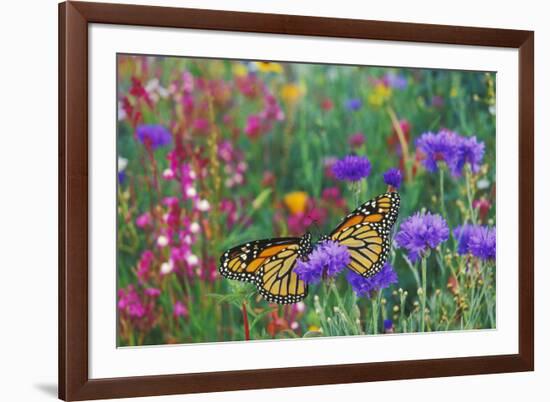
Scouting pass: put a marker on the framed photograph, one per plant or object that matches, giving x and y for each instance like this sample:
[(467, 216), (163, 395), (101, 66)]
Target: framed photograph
[(259, 200)]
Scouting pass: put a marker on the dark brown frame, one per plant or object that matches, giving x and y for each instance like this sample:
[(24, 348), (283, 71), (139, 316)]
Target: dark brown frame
[(74, 17)]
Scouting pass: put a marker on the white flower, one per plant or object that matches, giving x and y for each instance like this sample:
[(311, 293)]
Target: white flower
[(162, 241), (203, 205), (166, 267), (194, 227), (121, 112), (191, 192), (168, 174), (152, 85), (192, 259), (122, 163), (482, 184)]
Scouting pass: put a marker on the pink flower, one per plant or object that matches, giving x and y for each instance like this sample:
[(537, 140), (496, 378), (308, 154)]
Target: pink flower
[(356, 140), (152, 292), (253, 127), (201, 126), (327, 165), (300, 222), (268, 178), (331, 194), (144, 265), (179, 309), (144, 220)]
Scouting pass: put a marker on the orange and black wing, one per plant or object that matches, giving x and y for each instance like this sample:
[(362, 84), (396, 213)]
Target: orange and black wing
[(366, 233), (276, 280), (270, 265)]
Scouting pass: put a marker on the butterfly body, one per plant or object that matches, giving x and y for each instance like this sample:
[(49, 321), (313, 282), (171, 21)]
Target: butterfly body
[(270, 263)]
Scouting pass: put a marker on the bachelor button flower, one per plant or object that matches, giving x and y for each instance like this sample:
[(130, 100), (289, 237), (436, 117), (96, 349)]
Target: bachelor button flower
[(354, 104), (469, 151), (153, 135), (483, 242), (442, 146), (351, 168), (421, 232), (365, 286), (451, 148), (396, 81), (462, 234), (388, 325), (393, 177), (327, 259)]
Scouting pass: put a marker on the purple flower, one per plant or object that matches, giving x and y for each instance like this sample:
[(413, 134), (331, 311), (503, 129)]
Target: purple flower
[(354, 104), (483, 242), (469, 151), (153, 135), (462, 234), (393, 177), (395, 81), (452, 149), (421, 232), (351, 168), (327, 259), (388, 325), (365, 286), (121, 177), (442, 146), (437, 101)]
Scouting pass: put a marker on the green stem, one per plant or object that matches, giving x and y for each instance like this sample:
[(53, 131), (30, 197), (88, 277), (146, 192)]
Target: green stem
[(442, 191), (470, 195), (423, 296), (375, 305)]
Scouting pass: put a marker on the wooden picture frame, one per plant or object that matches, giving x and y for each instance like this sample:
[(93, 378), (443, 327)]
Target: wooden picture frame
[(74, 381)]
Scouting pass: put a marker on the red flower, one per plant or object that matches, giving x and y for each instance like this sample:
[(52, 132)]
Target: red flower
[(326, 104), (483, 206)]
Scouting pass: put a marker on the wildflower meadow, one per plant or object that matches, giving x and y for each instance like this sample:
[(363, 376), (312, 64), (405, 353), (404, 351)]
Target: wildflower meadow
[(216, 153)]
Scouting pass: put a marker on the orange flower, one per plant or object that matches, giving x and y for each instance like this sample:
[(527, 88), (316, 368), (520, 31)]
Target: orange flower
[(291, 93), (296, 202)]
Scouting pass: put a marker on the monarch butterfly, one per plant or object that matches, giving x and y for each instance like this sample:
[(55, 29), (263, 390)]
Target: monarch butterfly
[(270, 263)]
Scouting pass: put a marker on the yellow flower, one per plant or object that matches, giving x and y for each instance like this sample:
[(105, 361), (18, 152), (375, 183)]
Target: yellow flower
[(239, 70), (454, 92), (296, 202), (380, 95), (268, 67), (291, 93)]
